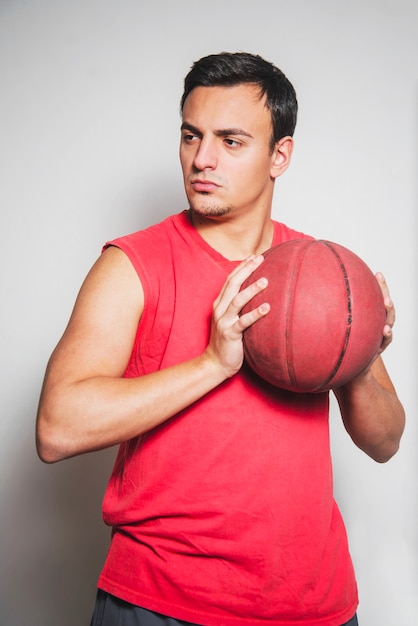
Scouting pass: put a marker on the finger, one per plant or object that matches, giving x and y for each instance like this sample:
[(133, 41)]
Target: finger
[(390, 309), (385, 290), (383, 284), (233, 324), (247, 319), (244, 296), (234, 281), (387, 338)]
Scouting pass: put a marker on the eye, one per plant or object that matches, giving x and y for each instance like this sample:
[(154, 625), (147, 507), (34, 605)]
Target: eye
[(189, 137), (232, 143)]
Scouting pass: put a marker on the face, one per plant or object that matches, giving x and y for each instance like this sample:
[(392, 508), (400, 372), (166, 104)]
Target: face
[(225, 152)]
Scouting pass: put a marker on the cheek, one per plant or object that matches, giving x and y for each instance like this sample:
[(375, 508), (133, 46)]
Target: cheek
[(255, 174), (184, 162)]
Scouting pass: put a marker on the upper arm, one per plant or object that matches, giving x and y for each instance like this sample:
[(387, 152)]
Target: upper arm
[(100, 334)]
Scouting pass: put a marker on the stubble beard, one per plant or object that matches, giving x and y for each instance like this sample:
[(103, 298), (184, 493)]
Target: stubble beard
[(209, 209)]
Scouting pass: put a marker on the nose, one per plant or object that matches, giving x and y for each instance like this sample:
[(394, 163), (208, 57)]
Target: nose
[(205, 157)]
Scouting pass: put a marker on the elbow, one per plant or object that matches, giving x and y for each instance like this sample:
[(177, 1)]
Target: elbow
[(47, 452), (387, 446), (50, 443), (46, 455), (393, 438), (379, 438), (383, 454)]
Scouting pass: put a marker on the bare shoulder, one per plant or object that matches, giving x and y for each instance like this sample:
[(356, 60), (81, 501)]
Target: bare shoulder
[(99, 337), (112, 277)]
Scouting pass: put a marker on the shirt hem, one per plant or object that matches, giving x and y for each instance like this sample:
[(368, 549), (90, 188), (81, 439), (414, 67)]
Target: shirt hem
[(194, 616)]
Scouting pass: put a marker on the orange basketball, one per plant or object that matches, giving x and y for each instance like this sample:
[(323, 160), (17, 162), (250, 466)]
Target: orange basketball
[(326, 319)]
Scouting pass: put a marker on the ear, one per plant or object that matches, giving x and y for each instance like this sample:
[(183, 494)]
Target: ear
[(282, 154)]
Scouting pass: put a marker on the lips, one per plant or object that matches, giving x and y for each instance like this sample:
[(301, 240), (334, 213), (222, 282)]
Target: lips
[(204, 186)]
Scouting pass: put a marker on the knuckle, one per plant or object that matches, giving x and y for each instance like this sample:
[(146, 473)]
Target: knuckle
[(238, 301)]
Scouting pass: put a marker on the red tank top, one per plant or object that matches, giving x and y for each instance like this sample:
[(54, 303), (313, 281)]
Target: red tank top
[(223, 515)]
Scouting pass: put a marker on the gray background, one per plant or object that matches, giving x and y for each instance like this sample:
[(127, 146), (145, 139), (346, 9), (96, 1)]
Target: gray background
[(89, 141)]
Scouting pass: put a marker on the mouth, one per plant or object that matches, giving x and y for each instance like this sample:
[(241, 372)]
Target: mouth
[(204, 186)]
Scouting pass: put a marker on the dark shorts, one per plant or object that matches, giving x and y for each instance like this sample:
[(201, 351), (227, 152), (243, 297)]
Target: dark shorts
[(111, 611)]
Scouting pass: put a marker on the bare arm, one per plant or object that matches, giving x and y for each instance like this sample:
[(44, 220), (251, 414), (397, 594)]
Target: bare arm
[(85, 403), (370, 408)]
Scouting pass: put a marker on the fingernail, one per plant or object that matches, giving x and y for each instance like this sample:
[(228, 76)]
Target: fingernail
[(264, 308)]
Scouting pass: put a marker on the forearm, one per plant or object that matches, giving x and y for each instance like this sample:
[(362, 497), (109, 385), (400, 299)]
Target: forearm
[(372, 413), (99, 412)]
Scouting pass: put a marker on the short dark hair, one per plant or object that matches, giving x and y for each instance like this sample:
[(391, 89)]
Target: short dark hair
[(235, 68)]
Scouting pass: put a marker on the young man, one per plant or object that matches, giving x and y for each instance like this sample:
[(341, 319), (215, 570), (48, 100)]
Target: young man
[(221, 495)]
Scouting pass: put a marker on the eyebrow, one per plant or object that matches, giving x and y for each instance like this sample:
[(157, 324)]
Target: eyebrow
[(225, 132)]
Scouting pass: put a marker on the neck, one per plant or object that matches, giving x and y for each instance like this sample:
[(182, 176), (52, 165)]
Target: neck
[(235, 239)]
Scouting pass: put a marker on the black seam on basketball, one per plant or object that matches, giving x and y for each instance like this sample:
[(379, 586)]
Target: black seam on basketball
[(349, 314), (289, 309)]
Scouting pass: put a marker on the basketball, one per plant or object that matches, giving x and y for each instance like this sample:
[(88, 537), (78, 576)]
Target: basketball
[(326, 318)]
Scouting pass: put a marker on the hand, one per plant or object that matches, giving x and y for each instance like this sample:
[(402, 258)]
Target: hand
[(390, 312), (225, 344)]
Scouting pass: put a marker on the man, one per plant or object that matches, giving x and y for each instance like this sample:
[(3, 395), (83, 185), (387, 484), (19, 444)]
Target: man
[(221, 495)]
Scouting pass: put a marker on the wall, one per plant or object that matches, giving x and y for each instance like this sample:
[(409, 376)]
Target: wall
[(89, 140)]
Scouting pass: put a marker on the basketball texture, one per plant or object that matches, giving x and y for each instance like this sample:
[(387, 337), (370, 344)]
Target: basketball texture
[(326, 319)]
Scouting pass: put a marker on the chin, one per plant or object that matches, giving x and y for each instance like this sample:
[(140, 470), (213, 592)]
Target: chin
[(206, 210)]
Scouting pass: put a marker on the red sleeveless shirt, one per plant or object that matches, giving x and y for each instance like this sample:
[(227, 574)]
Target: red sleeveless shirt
[(224, 514)]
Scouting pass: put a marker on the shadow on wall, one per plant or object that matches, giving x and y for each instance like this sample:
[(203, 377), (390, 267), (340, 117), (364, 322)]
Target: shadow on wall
[(53, 538), (142, 204)]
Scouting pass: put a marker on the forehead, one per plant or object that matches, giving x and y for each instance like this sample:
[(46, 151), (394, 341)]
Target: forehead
[(217, 108)]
